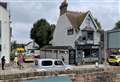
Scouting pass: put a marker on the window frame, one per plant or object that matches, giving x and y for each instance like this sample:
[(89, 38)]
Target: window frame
[(90, 37), (70, 31), (43, 63), (58, 64)]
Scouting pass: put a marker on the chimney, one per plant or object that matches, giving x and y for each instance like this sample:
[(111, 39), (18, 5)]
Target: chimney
[(63, 7)]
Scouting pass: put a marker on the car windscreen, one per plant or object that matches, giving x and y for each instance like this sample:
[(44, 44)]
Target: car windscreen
[(58, 63), (113, 57), (46, 63)]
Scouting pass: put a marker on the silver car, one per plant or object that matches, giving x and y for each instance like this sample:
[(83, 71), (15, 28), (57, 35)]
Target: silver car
[(51, 65)]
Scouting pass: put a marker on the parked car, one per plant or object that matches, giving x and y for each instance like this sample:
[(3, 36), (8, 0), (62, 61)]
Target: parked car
[(114, 60), (28, 59), (51, 65)]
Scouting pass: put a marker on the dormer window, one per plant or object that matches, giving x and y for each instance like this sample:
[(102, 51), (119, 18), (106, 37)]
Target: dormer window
[(70, 31), (90, 35)]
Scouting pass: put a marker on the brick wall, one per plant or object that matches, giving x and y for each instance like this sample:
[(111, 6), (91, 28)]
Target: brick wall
[(86, 75)]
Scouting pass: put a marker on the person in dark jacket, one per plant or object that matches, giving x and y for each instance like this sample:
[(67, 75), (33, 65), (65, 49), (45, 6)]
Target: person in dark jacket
[(3, 62), (63, 58)]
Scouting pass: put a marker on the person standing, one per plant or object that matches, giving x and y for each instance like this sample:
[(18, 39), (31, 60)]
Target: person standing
[(20, 61), (3, 62), (16, 61), (63, 58)]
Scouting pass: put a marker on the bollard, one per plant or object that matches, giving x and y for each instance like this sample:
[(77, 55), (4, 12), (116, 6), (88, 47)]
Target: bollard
[(97, 65)]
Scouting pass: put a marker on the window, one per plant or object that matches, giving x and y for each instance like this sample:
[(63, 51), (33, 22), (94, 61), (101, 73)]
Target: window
[(90, 35), (36, 62), (70, 31), (112, 57), (58, 63), (62, 52), (46, 63), (84, 38), (84, 35)]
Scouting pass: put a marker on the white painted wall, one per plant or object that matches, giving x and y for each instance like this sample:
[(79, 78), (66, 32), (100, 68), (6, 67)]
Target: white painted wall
[(54, 55), (96, 34), (5, 34), (31, 46), (84, 24), (60, 37), (96, 37)]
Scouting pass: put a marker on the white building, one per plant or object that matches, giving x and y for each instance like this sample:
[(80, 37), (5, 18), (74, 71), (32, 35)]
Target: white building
[(4, 32), (31, 48), (113, 42), (78, 30)]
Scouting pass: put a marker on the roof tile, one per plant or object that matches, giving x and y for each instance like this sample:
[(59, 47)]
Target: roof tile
[(76, 18)]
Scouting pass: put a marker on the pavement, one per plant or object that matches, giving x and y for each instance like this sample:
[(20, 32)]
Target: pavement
[(13, 69), (29, 67)]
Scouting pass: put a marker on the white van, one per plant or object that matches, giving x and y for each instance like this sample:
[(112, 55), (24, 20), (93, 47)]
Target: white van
[(51, 65)]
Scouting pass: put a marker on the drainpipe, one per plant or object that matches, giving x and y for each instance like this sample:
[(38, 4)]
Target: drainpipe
[(100, 55), (105, 47)]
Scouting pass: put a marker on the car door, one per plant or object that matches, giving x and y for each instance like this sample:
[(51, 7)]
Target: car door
[(59, 65), (47, 65)]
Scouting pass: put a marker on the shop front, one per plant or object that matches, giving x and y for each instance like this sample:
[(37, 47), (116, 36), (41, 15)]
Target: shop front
[(88, 53)]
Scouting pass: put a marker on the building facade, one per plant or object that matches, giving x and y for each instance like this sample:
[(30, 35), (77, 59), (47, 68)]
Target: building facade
[(32, 48), (113, 42), (79, 31), (4, 32)]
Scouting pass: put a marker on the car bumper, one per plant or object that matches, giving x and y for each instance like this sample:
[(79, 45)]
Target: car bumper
[(113, 63), (26, 60)]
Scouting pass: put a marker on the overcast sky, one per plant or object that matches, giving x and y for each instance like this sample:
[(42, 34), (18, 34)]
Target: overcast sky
[(25, 12)]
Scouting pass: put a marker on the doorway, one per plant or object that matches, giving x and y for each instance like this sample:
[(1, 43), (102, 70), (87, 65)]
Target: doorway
[(87, 53)]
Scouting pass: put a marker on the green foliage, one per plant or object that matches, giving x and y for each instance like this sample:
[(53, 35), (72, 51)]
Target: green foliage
[(13, 45), (12, 56), (117, 25), (42, 32)]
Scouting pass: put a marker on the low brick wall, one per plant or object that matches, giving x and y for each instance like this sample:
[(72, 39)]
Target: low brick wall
[(108, 75), (42, 75), (86, 75)]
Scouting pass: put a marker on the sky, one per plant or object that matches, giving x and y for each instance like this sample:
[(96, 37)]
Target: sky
[(24, 13)]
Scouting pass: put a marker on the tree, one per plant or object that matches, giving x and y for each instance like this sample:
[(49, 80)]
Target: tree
[(42, 32), (13, 49), (117, 25)]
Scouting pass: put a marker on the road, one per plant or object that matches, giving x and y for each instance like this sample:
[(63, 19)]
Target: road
[(29, 67)]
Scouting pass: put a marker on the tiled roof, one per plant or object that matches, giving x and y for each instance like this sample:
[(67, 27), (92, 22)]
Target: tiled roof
[(76, 18)]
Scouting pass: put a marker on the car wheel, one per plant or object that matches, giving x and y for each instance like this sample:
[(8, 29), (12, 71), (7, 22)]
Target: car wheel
[(110, 63)]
